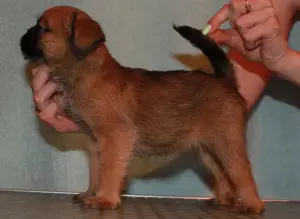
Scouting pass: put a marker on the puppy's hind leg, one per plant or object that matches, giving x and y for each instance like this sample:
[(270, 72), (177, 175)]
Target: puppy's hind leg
[(94, 172), (231, 152), (225, 196)]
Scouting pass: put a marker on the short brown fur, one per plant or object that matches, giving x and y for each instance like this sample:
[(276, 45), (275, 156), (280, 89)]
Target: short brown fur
[(128, 113)]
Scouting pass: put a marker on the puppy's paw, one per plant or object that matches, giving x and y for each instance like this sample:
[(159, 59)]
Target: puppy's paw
[(102, 203), (256, 208), (82, 196), (224, 197), (226, 201)]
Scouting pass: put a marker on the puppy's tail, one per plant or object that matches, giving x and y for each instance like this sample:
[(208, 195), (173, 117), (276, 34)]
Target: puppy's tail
[(217, 57)]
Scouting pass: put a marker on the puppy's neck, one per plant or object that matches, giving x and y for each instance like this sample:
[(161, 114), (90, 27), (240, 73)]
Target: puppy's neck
[(105, 62), (99, 64), (103, 58)]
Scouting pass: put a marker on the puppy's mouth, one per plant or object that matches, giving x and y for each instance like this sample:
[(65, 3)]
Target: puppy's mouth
[(29, 43)]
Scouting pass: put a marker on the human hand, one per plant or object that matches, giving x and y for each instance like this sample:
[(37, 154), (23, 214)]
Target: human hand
[(47, 102), (255, 32)]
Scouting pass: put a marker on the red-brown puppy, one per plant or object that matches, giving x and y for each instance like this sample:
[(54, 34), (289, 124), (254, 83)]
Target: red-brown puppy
[(135, 112)]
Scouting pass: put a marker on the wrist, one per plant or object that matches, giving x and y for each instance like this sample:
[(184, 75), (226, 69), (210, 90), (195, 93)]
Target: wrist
[(282, 65), (288, 67)]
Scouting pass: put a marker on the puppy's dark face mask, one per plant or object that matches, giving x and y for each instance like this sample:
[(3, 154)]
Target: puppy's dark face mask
[(61, 32), (30, 43)]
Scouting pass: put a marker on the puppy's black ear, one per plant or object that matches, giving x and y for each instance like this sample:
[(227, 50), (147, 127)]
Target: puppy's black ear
[(86, 36)]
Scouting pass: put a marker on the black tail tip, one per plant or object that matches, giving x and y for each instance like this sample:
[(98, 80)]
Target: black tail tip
[(187, 31), (179, 28), (175, 27)]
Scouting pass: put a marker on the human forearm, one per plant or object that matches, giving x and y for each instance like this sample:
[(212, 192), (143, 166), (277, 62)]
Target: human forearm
[(289, 67)]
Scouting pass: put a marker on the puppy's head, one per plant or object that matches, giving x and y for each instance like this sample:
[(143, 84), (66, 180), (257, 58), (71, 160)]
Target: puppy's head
[(60, 31)]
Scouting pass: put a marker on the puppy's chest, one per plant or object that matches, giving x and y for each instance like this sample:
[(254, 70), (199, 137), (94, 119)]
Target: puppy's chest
[(71, 109), (69, 103)]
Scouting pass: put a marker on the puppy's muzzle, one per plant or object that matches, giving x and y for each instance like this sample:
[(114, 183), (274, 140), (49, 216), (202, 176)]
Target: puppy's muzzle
[(29, 43)]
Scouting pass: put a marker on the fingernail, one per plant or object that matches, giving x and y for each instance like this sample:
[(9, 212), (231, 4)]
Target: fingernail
[(206, 29)]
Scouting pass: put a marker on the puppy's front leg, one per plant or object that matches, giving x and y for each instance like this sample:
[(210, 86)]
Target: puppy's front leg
[(115, 152), (94, 171)]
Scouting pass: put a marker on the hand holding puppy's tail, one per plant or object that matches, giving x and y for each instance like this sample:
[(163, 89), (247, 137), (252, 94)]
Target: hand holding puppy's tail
[(217, 57)]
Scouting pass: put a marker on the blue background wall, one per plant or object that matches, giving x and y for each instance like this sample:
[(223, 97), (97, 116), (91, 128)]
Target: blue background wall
[(34, 157)]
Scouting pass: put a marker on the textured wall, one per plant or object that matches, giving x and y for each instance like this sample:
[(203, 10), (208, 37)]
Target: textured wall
[(139, 33)]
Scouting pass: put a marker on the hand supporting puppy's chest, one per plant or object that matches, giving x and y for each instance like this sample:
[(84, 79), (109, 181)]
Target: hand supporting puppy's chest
[(66, 97), (71, 109)]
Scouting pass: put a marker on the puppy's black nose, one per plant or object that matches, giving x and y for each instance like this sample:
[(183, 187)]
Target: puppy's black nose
[(29, 43)]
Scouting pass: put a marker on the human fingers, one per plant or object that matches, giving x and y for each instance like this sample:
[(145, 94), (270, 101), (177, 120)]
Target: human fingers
[(273, 46), (241, 8), (40, 77), (219, 18), (233, 11), (254, 18), (42, 97), (49, 115), (66, 125), (262, 31), (247, 21), (232, 39), (35, 70)]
